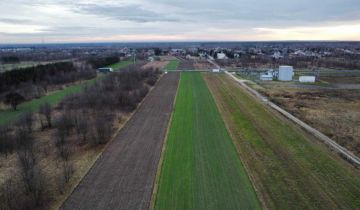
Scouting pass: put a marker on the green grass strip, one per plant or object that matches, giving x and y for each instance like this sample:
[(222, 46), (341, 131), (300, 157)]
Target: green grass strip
[(201, 168), (172, 65)]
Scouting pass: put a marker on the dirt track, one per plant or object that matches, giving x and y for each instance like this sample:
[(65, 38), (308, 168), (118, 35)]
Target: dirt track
[(123, 177)]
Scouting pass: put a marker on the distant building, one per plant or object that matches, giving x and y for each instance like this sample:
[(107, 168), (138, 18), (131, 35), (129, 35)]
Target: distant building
[(151, 59), (277, 55), (307, 79), (105, 70), (268, 76), (221, 56), (286, 73)]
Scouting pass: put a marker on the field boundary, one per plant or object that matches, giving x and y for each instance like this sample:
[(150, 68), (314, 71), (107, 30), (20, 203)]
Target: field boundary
[(107, 145), (328, 141), (158, 172), (259, 195)]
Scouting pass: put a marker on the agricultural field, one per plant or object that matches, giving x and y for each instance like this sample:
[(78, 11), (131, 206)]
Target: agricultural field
[(186, 64), (172, 65), (201, 168), (64, 146), (202, 64), (115, 181), (290, 169)]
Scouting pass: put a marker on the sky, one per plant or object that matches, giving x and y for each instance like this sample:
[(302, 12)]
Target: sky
[(62, 21)]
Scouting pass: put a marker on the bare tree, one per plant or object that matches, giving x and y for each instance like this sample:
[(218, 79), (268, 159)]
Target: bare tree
[(82, 127), (45, 110), (32, 177), (26, 122), (103, 129), (14, 99), (6, 140)]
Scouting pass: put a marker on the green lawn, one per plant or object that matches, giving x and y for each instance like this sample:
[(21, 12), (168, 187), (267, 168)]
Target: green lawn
[(172, 65), (290, 168), (121, 64), (54, 98), (201, 168)]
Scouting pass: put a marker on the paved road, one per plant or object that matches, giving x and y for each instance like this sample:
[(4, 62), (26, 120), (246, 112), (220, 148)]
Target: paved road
[(338, 148), (123, 177)]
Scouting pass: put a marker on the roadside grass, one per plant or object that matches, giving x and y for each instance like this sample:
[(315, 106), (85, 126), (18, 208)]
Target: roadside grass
[(289, 168), (172, 65), (54, 98), (201, 168)]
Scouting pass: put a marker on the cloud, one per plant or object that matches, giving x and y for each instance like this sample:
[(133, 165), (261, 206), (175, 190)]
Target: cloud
[(133, 13), (14, 21), (161, 20)]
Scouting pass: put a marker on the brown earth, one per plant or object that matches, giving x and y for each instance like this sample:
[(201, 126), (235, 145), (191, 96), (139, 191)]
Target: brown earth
[(186, 64), (156, 65), (334, 112), (123, 177), (341, 80), (202, 64)]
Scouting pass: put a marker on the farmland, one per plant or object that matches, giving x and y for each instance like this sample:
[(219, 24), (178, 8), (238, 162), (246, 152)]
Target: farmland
[(290, 169), (172, 65), (201, 168), (124, 175)]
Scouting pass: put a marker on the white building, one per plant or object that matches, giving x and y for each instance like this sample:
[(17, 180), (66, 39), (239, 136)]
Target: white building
[(286, 73), (221, 56), (307, 79), (277, 55), (268, 76)]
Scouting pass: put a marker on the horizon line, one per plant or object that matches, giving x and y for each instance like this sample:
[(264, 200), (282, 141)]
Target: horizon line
[(179, 41)]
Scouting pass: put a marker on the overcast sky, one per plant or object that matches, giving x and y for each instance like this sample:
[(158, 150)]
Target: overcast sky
[(35, 21)]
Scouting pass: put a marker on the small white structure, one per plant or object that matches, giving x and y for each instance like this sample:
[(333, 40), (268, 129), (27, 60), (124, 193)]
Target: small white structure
[(216, 70), (268, 76), (151, 59), (105, 70), (307, 79), (286, 73), (221, 56)]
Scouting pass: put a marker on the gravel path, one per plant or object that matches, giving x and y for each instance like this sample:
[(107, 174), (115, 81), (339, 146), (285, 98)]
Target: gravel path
[(123, 177)]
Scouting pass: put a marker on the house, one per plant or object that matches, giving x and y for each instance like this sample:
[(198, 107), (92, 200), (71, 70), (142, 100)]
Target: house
[(277, 55), (105, 70)]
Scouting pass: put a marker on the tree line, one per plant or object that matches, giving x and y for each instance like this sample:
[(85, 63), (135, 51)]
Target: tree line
[(10, 59), (33, 82), (98, 62)]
